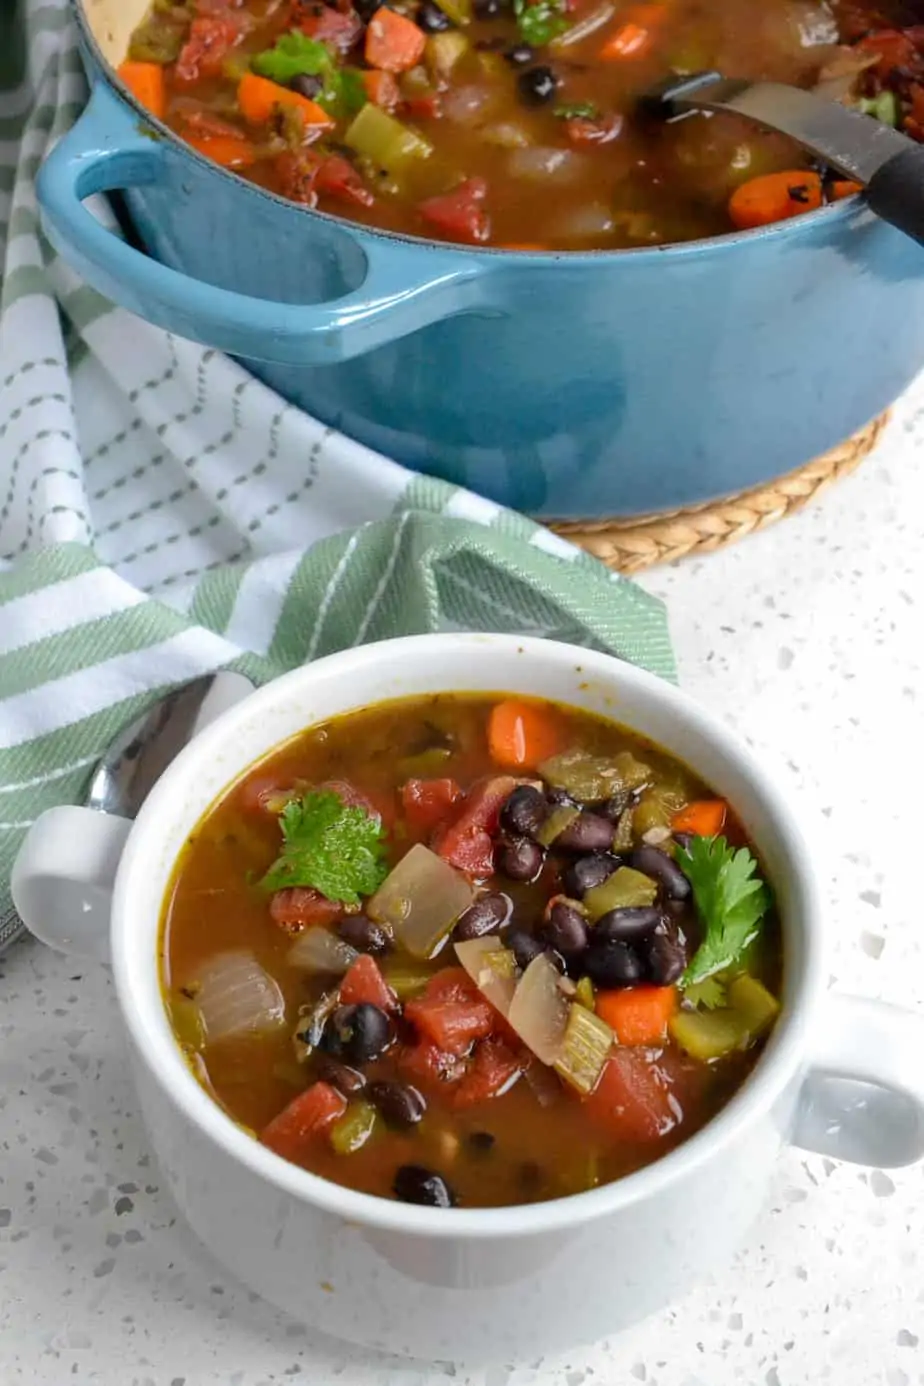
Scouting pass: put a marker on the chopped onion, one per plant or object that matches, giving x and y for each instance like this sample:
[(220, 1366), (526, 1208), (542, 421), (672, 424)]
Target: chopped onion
[(464, 105), (506, 134), (599, 16), (237, 997), (584, 221), (539, 1011), (542, 161), (489, 967), (421, 899), (318, 950)]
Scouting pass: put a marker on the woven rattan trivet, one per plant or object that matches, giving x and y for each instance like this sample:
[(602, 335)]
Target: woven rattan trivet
[(631, 545)]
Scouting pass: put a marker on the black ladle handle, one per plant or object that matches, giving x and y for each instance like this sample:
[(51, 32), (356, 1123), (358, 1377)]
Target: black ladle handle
[(896, 191)]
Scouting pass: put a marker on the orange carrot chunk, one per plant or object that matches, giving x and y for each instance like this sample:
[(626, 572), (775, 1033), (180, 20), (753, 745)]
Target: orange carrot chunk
[(381, 89), (704, 818), (292, 1131), (258, 98), (230, 151), (522, 735), (843, 187), (774, 197), (145, 81), (393, 43), (637, 1015), (628, 41)]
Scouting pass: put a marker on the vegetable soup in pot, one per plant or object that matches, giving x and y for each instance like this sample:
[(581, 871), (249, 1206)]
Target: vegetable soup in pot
[(470, 950), (514, 123)]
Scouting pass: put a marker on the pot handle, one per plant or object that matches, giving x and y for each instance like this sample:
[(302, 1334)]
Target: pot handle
[(863, 1095), (109, 148)]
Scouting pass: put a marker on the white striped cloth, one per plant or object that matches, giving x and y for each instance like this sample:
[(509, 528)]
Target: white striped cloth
[(163, 514)]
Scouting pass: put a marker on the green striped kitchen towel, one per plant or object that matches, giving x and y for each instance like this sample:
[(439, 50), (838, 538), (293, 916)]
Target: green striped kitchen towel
[(163, 514)]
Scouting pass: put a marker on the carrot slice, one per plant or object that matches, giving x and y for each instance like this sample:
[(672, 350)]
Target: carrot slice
[(381, 89), (629, 41), (393, 42), (704, 818), (637, 1015), (522, 735), (290, 1133), (258, 98), (774, 197), (365, 983), (226, 150), (843, 187), (146, 83)]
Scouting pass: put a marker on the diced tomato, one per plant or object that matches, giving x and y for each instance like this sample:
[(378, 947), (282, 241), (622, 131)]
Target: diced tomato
[(594, 130), (426, 803), (427, 107), (893, 48), (364, 982), (210, 41), (428, 1066), (494, 1068), (467, 843), (339, 29), (377, 805), (338, 178), (208, 123), (633, 1099), (296, 907), (451, 1011), (291, 1132), (460, 213)]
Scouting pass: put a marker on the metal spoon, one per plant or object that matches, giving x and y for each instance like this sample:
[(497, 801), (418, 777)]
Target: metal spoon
[(888, 165), (139, 755)]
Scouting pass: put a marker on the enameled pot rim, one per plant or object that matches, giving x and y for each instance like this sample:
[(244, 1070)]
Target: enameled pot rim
[(146, 1019), (846, 209)]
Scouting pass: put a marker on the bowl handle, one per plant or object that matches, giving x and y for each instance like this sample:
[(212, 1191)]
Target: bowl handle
[(405, 287), (863, 1095)]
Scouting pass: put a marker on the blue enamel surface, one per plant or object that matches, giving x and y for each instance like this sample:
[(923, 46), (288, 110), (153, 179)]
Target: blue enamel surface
[(573, 385)]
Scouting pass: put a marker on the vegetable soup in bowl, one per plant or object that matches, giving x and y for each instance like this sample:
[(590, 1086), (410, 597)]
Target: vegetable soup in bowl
[(453, 963)]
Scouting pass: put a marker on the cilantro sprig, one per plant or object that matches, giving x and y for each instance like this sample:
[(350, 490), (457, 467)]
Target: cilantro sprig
[(540, 21), (295, 54), (731, 900), (577, 110), (336, 848)]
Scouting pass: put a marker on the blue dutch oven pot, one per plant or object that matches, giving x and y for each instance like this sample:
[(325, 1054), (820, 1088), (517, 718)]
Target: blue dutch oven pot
[(570, 385)]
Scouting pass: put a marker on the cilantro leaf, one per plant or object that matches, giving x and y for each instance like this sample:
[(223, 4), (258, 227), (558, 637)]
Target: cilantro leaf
[(539, 22), (352, 90), (334, 847), (707, 994), (731, 901), (578, 110), (294, 54)]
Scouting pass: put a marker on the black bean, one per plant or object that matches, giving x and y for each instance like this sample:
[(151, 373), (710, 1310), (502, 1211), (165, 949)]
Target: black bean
[(400, 1104), (587, 833), (519, 55), (537, 85), (524, 812), (628, 924), (347, 1080), (615, 806), (482, 1141), (366, 9), (665, 954), (306, 85), (415, 1184), (565, 930), (560, 798), (582, 875), (360, 1033), (360, 933), (489, 912), (683, 840), (432, 19), (524, 946), (651, 861), (520, 859), (613, 965)]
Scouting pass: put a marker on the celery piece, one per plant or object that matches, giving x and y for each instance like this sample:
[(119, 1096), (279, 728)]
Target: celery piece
[(427, 764), (354, 1128), (884, 107), (624, 836), (707, 1035), (444, 50), (583, 774), (757, 1006), (650, 812), (406, 980), (584, 1049), (390, 145), (585, 993), (558, 820), (157, 41), (459, 11), (624, 889), (415, 82), (633, 773), (187, 1021)]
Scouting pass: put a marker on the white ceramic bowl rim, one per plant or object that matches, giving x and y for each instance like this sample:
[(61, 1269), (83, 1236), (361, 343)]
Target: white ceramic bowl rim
[(150, 1030)]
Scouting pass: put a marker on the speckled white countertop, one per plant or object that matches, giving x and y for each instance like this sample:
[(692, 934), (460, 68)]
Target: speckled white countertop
[(808, 638)]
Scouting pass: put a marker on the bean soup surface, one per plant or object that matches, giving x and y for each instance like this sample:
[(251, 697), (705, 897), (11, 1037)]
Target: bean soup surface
[(470, 950)]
